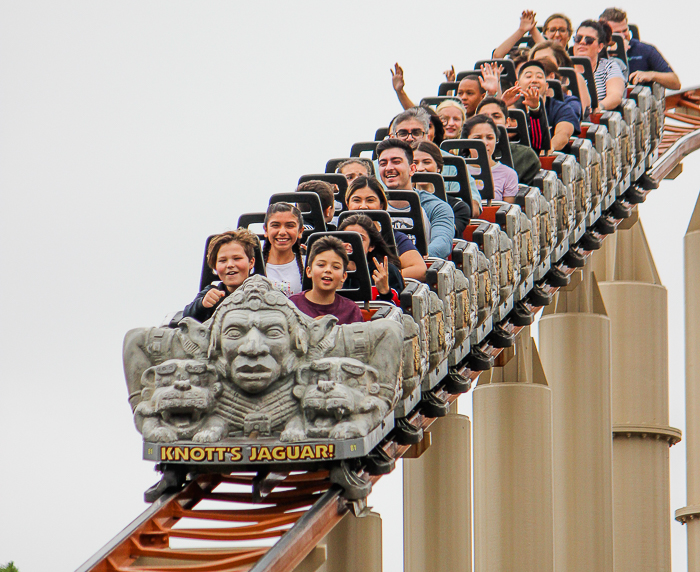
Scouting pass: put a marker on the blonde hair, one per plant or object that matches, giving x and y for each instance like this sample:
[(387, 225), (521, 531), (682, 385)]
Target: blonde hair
[(453, 103)]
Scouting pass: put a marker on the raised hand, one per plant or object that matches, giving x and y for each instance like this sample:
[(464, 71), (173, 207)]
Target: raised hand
[(397, 78), (450, 74), (212, 298), (381, 275), (531, 97), (510, 96), (490, 78), (527, 21)]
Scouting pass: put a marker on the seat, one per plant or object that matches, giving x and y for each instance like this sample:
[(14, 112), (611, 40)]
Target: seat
[(246, 220), (481, 161), (618, 50), (360, 289), (571, 84), (382, 217), (381, 134), (340, 182), (460, 177), (556, 87), (310, 206), (634, 30), (467, 73), (588, 76), (546, 140), (446, 86), (502, 152), (508, 68), (410, 222), (332, 164), (437, 100), (364, 146), (521, 132), (208, 275), (434, 179)]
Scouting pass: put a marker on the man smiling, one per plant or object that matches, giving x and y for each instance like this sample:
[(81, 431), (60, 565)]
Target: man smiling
[(395, 158)]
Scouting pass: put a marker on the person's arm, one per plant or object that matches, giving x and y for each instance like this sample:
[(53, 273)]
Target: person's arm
[(667, 79), (490, 79), (583, 91), (413, 265), (510, 189), (461, 212), (442, 225), (202, 307), (614, 91), (527, 23), (399, 83), (562, 131)]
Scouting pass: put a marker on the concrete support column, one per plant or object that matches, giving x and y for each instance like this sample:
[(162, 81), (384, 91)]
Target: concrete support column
[(690, 515), (636, 304), (513, 523), (575, 352), (437, 500), (354, 545)]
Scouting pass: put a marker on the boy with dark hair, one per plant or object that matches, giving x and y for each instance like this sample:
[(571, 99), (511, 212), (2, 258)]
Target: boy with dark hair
[(231, 255), (327, 266)]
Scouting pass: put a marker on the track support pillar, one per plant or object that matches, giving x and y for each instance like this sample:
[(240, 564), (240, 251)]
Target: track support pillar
[(354, 545)]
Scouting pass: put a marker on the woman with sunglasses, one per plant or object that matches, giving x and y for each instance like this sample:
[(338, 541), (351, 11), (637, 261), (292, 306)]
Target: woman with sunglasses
[(589, 41)]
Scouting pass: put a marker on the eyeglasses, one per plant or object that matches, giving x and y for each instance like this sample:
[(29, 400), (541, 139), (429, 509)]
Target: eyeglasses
[(415, 133), (553, 31), (587, 40)]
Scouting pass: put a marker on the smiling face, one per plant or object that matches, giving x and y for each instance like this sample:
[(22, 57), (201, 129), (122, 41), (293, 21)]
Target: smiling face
[(424, 162), (282, 231), (452, 120), (533, 77), (395, 170), (255, 345), (557, 30), (588, 45), (469, 94), (623, 29), (233, 265), (484, 132), (364, 199), (327, 272)]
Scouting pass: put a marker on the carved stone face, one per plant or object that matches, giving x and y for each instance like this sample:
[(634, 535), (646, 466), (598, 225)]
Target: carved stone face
[(256, 346)]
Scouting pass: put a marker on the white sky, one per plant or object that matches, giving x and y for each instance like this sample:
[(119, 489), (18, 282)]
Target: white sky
[(129, 132)]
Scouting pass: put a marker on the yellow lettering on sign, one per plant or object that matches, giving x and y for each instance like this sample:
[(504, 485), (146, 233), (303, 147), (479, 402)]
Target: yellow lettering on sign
[(236, 454), (307, 453), (264, 454), (293, 452), (166, 453), (181, 454), (279, 453), (197, 454)]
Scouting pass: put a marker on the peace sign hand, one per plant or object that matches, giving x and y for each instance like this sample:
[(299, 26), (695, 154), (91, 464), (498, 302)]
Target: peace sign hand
[(381, 276)]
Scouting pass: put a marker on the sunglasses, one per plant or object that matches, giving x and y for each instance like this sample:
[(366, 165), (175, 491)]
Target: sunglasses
[(587, 40)]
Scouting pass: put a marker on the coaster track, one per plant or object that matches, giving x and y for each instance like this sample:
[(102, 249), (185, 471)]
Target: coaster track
[(299, 509)]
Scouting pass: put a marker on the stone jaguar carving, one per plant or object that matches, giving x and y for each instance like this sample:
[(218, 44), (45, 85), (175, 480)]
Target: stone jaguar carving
[(257, 343), (340, 398), (177, 400), (146, 347)]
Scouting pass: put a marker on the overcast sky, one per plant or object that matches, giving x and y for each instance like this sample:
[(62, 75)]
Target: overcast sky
[(132, 130)]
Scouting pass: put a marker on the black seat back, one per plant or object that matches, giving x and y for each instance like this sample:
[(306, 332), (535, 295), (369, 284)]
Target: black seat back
[(503, 153), (481, 162), (361, 289), (447, 86), (588, 76), (332, 165), (208, 275), (434, 179), (556, 87), (437, 100), (410, 222), (382, 217), (248, 219), (461, 177), (364, 146), (336, 179), (468, 73), (618, 50), (381, 134), (520, 130), (310, 206)]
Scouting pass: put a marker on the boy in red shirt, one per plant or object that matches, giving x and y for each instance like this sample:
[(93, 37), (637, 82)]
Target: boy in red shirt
[(327, 266)]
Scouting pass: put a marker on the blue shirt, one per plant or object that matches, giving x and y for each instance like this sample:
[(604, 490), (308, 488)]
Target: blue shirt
[(645, 57), (442, 224)]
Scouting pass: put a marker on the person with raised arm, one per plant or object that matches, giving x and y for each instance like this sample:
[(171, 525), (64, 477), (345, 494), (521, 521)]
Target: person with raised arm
[(528, 25)]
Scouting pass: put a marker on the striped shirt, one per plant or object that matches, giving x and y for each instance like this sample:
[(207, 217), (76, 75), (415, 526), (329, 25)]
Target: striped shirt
[(606, 70)]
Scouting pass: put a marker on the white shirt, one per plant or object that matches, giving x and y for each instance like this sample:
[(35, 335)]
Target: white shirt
[(285, 277)]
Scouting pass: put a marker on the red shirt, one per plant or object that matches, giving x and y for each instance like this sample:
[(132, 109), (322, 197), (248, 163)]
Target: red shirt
[(345, 310)]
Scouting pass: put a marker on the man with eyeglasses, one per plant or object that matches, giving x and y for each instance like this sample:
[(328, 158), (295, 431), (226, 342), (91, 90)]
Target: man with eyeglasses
[(412, 126), (646, 64)]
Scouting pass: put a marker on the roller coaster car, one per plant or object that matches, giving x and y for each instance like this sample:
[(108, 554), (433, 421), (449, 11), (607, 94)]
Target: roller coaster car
[(613, 122), (478, 166), (410, 220), (573, 175), (589, 159), (601, 140), (556, 195), (497, 289), (632, 116)]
